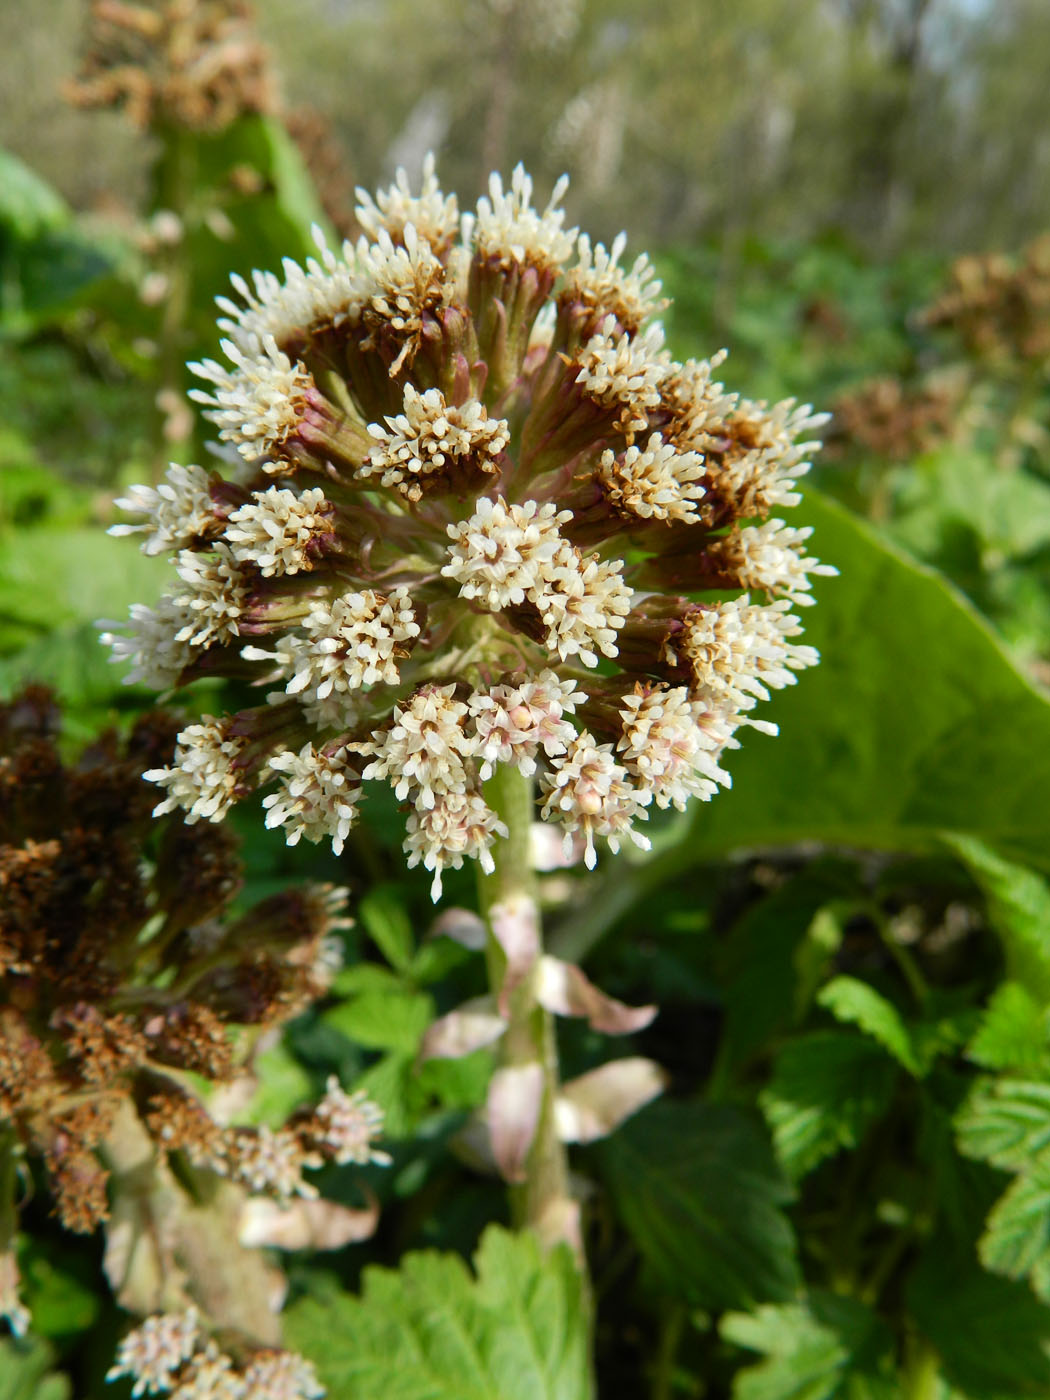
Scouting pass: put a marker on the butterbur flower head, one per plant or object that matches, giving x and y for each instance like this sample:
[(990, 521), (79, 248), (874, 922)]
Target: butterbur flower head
[(508, 529)]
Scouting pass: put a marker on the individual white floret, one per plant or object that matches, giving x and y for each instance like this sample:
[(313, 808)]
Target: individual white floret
[(504, 552), (261, 405), (429, 439), (513, 723), (317, 797), (668, 750), (345, 1126), (655, 483), (178, 512), (203, 779), (434, 215), (586, 790), (457, 825), (508, 230), (278, 531), (424, 752)]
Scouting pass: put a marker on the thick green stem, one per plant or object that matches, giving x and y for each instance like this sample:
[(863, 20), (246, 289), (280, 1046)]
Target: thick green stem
[(508, 902)]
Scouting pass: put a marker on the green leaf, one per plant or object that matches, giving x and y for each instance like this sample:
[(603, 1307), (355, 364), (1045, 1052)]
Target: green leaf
[(1008, 511), (283, 1085), (709, 1220), (1012, 1033), (431, 1331), (765, 962), (1005, 1122), (25, 1371), (58, 1287), (1016, 1240), (832, 1346), (28, 205), (393, 1084), (384, 916), (915, 722), (1019, 908), (827, 1090), (855, 1002), (384, 1020), (993, 1336)]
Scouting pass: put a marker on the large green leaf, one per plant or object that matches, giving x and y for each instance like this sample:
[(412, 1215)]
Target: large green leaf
[(831, 1347), (429, 1331), (992, 1334), (915, 722), (698, 1188)]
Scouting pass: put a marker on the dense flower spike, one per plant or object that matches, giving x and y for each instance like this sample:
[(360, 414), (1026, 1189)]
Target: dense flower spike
[(510, 529)]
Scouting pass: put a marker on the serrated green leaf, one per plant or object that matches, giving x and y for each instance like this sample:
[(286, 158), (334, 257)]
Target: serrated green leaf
[(962, 745), (1012, 1033), (1019, 908), (827, 1090), (993, 1336), (855, 1002), (432, 1331), (830, 1346), (384, 1020), (1016, 1239), (384, 916), (1005, 1122), (25, 1372), (366, 977), (708, 1221), (393, 1084)]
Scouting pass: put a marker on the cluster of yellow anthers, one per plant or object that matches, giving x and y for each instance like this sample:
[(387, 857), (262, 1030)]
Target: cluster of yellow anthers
[(482, 518)]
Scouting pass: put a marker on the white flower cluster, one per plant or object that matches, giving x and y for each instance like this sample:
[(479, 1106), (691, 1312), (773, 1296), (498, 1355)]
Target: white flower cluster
[(430, 439), (526, 536), (258, 407), (170, 1354), (654, 483), (276, 529)]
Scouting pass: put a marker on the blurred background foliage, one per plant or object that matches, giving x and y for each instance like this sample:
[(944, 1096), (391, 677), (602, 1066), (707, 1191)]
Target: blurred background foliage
[(851, 951)]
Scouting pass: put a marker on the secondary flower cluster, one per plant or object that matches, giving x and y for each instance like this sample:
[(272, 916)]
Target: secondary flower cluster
[(121, 975), (194, 63), (999, 306), (169, 1354), (482, 517)]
